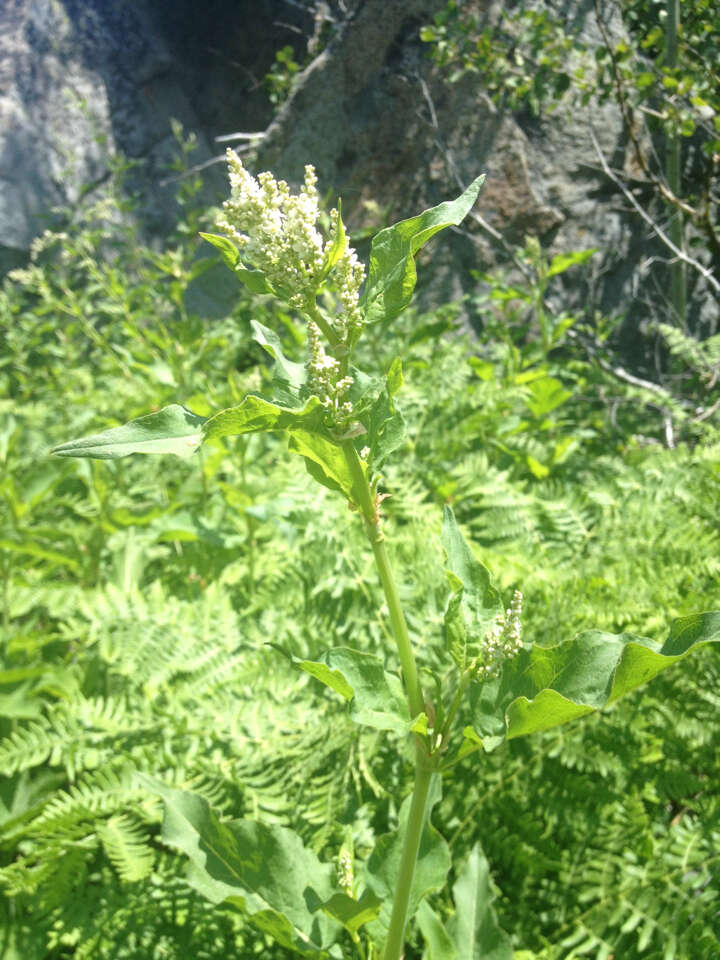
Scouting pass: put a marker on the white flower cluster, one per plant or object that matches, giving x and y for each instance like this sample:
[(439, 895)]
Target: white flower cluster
[(345, 872), (275, 230), (324, 378), (502, 640), (277, 233)]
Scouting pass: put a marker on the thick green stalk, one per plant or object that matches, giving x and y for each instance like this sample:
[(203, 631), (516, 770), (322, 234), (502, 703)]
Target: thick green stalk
[(396, 933), (423, 772), (366, 503)]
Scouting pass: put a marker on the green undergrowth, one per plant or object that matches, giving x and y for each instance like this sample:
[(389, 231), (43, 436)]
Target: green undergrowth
[(139, 597)]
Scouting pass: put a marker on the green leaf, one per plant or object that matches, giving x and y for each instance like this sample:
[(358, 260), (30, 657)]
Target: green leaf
[(127, 847), (548, 686), (256, 414), (474, 928), (392, 274), (352, 914), (377, 697), (563, 261), (173, 429), (438, 945), (329, 676), (228, 250), (537, 469), (394, 376), (254, 280), (325, 461), (264, 870), (385, 427), (287, 370), (475, 603), (383, 866), (545, 395), (338, 246)]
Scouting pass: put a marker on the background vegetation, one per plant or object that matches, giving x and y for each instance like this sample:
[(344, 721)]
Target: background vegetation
[(138, 597)]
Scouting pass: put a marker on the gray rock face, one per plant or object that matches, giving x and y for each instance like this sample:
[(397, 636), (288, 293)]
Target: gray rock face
[(387, 129), (72, 96), (82, 81)]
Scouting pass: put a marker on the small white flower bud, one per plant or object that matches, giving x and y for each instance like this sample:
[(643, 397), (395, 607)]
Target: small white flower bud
[(345, 871), (502, 641)]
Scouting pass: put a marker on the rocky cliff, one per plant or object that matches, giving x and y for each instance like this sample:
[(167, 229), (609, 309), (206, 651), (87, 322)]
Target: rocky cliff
[(84, 80)]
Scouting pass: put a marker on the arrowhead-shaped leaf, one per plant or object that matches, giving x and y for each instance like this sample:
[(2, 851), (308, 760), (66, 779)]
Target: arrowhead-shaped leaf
[(392, 275), (547, 686), (377, 698), (474, 929), (475, 602), (264, 870), (173, 429), (177, 430)]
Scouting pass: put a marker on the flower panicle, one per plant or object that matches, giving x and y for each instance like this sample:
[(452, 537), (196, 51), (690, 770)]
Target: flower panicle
[(277, 232)]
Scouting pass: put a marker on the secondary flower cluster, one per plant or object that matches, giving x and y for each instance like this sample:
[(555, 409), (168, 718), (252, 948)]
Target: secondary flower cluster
[(502, 640), (324, 378), (346, 878)]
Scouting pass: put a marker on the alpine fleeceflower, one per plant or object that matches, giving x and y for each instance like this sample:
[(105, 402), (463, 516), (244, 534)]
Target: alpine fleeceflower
[(277, 232)]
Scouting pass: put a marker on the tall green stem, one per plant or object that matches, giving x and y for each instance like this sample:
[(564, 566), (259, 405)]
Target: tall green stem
[(366, 503), (416, 819), (423, 771)]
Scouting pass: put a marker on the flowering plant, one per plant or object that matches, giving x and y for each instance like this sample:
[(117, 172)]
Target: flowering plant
[(344, 423)]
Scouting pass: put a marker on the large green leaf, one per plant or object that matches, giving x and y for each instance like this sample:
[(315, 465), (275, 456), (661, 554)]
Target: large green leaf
[(392, 274), (173, 429), (324, 459), (376, 696), (264, 870), (474, 929), (383, 866), (177, 430), (256, 414), (475, 602), (547, 686), (438, 945)]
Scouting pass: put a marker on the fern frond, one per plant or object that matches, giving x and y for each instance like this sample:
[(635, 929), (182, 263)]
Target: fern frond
[(126, 845)]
